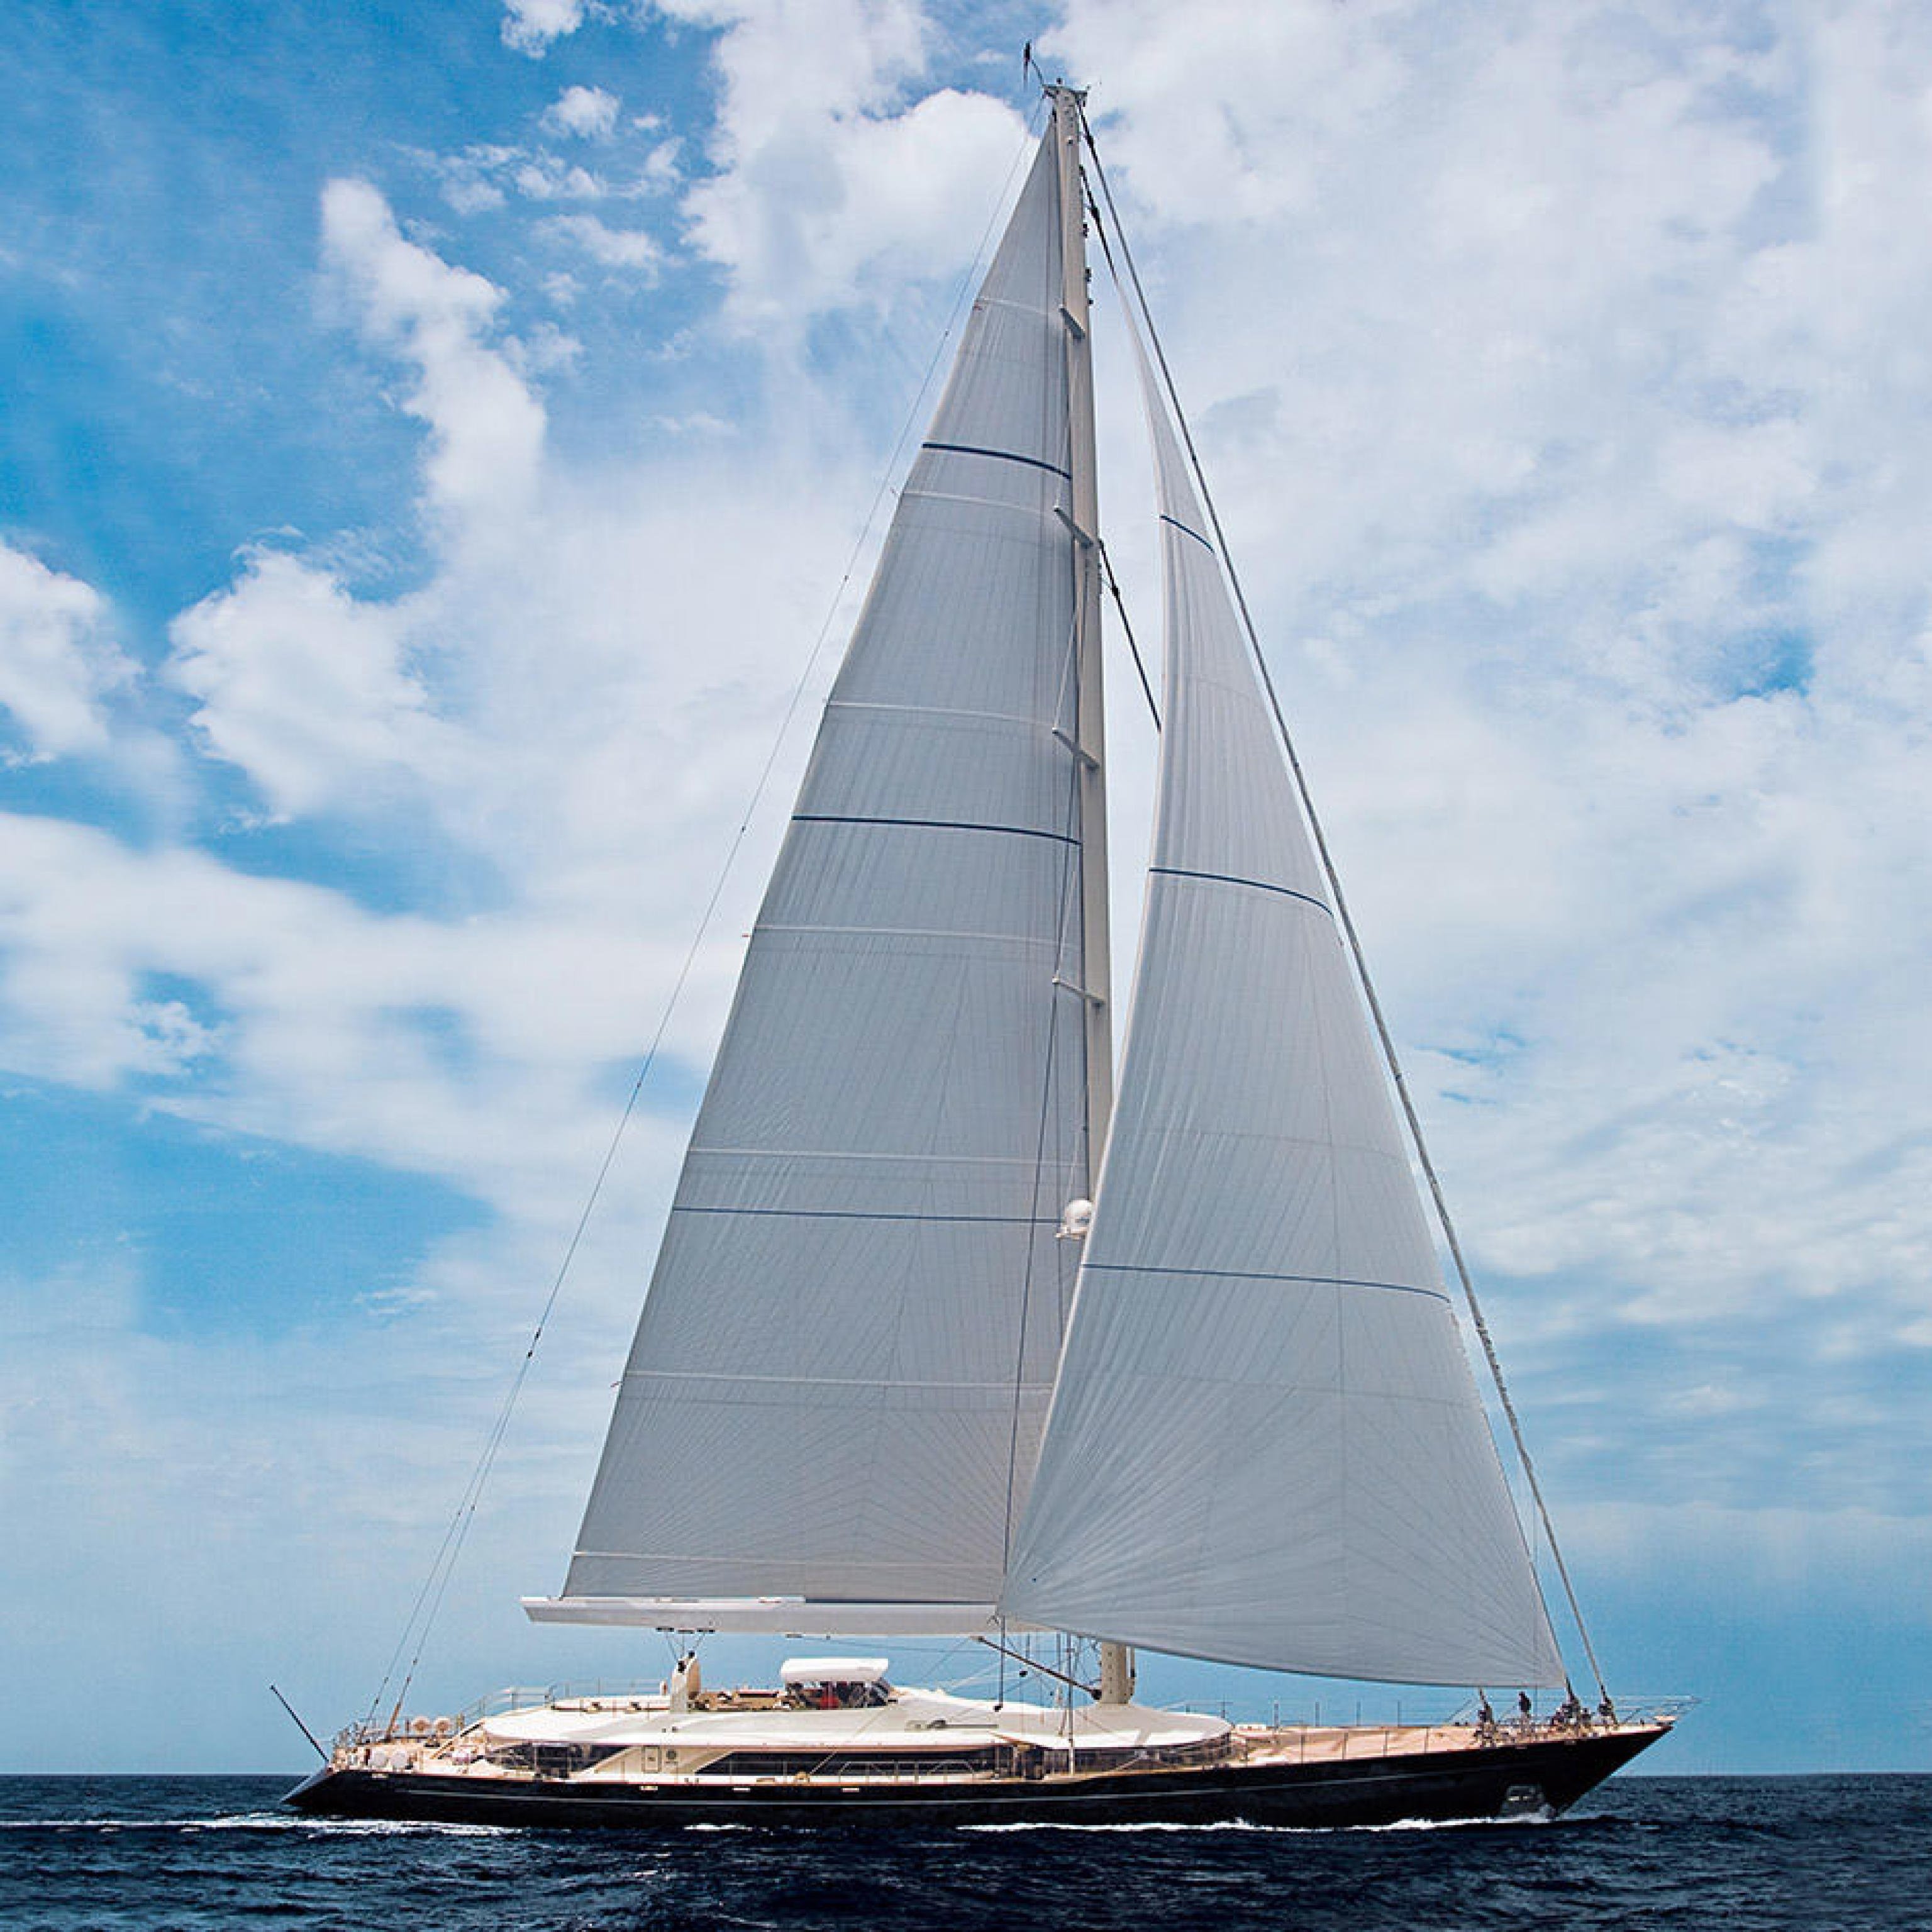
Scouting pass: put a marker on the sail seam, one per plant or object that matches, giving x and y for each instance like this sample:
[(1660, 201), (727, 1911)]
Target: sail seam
[(1257, 1274), (999, 455), (1019, 939), (812, 1382), (1177, 524), (929, 825), (1034, 512), (846, 1153), (1232, 879), (932, 711)]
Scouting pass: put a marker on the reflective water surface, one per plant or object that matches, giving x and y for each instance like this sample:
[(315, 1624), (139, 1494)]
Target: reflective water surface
[(1734, 1855)]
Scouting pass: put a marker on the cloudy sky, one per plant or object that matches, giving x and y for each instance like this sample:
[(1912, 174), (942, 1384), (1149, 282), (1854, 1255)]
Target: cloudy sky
[(438, 444)]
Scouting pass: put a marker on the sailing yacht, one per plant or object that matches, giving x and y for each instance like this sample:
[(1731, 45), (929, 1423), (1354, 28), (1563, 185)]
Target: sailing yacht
[(947, 1337)]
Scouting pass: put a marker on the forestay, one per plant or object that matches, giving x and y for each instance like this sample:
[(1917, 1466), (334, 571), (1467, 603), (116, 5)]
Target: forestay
[(1266, 1447), (840, 1374)]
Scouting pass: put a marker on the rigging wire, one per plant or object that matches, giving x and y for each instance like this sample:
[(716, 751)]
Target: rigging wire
[(429, 1598), (1463, 1275), (1120, 604)]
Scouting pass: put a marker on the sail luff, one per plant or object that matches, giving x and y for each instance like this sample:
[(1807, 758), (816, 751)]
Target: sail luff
[(839, 1373), (1265, 1446)]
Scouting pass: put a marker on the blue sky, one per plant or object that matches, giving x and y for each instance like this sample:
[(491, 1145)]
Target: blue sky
[(433, 441)]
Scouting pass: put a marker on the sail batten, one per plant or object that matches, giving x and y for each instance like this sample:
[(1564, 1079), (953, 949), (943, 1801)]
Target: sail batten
[(1265, 1446), (839, 1376)]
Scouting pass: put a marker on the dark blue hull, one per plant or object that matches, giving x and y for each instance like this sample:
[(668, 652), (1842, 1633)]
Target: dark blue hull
[(1499, 1780)]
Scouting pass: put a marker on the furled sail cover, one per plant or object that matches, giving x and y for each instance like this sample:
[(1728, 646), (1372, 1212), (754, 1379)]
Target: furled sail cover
[(843, 1363), (1266, 1446)]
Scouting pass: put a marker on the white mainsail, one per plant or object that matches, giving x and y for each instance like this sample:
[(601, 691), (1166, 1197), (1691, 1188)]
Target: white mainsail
[(840, 1375), (1265, 1446)]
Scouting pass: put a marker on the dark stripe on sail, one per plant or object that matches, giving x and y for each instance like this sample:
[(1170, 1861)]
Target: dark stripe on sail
[(1000, 455), (855, 1214), (1231, 879), (930, 825), (1257, 1274)]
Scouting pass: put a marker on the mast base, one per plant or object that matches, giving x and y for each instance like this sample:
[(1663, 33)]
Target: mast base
[(1116, 1675)]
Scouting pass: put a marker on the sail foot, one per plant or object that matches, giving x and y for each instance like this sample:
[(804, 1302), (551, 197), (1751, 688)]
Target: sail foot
[(772, 1616)]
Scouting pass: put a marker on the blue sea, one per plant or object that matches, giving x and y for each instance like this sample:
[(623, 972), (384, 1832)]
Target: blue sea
[(1719, 1855)]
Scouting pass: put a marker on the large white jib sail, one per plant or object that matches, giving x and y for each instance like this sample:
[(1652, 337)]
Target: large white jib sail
[(840, 1375), (1266, 1446)]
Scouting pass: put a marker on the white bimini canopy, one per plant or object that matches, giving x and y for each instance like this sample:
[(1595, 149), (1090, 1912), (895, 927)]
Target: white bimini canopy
[(832, 1670)]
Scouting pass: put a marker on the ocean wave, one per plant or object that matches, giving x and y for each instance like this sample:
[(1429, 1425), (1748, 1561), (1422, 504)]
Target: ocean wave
[(261, 1821), (1277, 1831)]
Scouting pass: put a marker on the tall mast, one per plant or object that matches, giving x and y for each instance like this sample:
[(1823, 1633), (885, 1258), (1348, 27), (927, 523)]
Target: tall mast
[(1091, 719), (1117, 1661)]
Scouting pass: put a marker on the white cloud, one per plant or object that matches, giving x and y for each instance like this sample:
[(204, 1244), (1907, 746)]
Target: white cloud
[(471, 193), (316, 1010), (614, 247), (781, 63), (828, 188), (306, 689), (249, 1468), (823, 213), (529, 706), (545, 178), (531, 25), (58, 664), (469, 178), (590, 112), (485, 175), (660, 169), (543, 349), (488, 429)]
